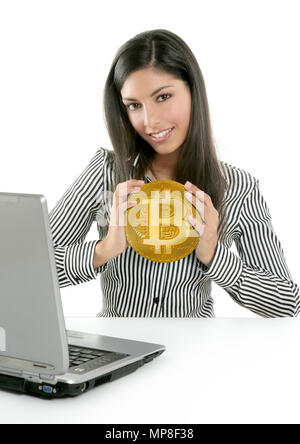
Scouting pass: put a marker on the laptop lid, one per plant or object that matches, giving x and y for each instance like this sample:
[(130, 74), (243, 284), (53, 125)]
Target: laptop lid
[(32, 327)]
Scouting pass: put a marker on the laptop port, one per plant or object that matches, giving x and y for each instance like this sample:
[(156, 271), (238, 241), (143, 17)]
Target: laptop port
[(47, 389), (84, 387)]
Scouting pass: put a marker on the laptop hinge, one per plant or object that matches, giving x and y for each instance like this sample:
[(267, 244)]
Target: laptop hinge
[(35, 377), (48, 378), (31, 377)]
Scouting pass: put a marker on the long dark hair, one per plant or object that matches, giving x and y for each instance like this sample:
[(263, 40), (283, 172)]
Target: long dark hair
[(198, 162)]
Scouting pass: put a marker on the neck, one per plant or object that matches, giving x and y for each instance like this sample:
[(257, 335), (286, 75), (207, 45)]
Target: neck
[(164, 165)]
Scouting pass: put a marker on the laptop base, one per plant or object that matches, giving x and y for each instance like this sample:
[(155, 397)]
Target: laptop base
[(61, 389)]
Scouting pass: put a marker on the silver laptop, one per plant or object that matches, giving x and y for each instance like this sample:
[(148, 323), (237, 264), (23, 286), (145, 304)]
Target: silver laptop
[(37, 355)]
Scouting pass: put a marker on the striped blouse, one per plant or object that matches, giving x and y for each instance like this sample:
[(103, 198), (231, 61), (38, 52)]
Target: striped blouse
[(257, 278)]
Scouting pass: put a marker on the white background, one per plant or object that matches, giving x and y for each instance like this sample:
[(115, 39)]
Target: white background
[(55, 57)]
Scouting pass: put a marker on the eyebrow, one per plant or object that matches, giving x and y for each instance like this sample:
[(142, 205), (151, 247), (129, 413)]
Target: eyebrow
[(151, 95)]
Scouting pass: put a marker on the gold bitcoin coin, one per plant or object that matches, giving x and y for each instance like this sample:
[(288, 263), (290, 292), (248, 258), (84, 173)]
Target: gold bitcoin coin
[(157, 227)]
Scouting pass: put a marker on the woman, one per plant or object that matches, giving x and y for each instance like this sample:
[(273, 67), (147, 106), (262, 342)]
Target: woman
[(158, 120)]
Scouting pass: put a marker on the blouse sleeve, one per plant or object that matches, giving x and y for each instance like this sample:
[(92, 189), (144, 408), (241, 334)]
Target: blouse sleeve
[(259, 278), (71, 220)]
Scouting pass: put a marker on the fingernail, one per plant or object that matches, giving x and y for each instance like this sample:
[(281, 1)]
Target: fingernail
[(188, 184)]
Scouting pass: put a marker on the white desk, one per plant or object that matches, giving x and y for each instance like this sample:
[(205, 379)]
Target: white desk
[(213, 371)]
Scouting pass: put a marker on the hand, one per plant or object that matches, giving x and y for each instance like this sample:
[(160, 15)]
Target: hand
[(115, 240), (208, 231)]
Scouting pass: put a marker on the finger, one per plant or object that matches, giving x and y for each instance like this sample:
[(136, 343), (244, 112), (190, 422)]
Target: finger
[(190, 187), (199, 227), (197, 192), (133, 182), (126, 190), (136, 181), (128, 185), (119, 219), (199, 205)]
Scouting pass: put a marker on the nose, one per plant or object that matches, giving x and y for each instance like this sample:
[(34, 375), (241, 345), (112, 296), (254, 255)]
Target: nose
[(151, 119)]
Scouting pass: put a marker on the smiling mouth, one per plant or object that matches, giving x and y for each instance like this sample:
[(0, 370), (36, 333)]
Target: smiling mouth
[(162, 134)]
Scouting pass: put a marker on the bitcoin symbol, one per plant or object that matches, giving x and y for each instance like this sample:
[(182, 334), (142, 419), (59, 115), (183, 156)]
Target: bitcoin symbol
[(157, 227), (162, 232)]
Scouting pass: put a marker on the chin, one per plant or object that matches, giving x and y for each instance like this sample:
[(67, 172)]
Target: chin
[(166, 150)]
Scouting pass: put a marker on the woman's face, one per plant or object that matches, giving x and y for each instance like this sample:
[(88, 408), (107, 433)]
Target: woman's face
[(157, 102)]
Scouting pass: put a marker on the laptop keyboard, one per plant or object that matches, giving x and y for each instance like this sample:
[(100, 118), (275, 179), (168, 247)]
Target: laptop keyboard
[(89, 358), (78, 355)]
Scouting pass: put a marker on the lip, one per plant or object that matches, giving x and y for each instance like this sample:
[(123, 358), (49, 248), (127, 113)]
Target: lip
[(163, 138), (157, 132)]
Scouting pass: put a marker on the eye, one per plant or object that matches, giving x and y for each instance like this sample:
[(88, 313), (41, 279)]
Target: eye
[(132, 104), (165, 96), (137, 105)]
